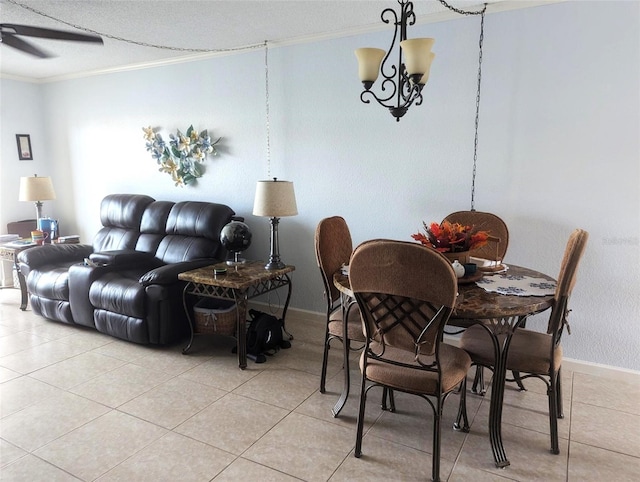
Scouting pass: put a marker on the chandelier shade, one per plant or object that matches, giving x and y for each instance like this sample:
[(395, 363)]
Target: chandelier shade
[(369, 60), (417, 55)]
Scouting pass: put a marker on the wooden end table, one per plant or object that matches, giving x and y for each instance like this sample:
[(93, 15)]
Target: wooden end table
[(241, 283), (9, 252)]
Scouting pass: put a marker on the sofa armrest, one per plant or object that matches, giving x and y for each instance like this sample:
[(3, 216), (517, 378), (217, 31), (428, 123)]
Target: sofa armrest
[(168, 274), (38, 256), (123, 257)]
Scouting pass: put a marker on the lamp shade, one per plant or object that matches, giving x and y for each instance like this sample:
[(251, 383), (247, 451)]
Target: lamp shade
[(425, 77), (275, 199), (36, 189), (369, 60), (416, 54)]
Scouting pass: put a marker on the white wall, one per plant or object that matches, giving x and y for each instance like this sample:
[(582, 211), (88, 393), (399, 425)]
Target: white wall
[(558, 148), (21, 113)]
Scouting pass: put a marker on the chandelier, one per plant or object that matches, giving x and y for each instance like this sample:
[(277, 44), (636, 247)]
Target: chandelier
[(403, 82)]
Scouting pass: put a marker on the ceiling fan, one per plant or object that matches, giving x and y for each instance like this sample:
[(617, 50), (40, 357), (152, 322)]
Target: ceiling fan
[(10, 35)]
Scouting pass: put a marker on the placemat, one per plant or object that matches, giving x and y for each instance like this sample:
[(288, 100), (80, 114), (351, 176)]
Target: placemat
[(517, 285)]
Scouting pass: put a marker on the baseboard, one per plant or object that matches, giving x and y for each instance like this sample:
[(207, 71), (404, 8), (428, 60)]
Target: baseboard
[(569, 364)]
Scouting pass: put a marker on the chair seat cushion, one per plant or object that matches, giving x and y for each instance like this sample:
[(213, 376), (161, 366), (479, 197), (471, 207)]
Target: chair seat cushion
[(354, 326), (354, 330), (454, 364), (529, 352)]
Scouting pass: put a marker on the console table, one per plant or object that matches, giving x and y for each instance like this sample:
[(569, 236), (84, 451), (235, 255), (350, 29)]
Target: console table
[(9, 252), (240, 283)]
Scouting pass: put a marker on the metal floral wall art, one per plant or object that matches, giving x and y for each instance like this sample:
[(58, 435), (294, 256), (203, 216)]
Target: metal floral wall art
[(185, 154)]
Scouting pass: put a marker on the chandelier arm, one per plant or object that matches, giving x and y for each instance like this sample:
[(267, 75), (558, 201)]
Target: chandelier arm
[(391, 84), (417, 98), (383, 66), (404, 88)]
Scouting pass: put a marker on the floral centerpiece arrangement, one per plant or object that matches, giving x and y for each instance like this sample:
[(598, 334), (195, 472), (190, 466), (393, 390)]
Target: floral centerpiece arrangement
[(182, 159), (450, 237)]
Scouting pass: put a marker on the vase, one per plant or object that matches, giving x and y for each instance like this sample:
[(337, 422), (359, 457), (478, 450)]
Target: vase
[(462, 256)]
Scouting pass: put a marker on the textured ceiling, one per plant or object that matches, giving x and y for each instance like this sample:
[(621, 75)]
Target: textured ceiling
[(186, 24)]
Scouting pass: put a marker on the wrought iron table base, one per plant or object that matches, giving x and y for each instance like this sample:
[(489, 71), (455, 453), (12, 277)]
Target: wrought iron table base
[(241, 296)]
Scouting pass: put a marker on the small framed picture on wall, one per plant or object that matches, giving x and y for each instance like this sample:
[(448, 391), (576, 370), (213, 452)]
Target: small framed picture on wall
[(24, 147)]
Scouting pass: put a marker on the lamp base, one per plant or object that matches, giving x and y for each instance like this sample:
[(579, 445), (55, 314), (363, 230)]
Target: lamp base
[(274, 255), (274, 265)]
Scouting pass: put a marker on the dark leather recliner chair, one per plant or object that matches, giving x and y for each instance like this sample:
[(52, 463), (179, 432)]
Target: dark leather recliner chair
[(131, 288)]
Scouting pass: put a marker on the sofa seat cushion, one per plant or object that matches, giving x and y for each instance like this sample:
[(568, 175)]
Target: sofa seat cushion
[(50, 281), (119, 292)]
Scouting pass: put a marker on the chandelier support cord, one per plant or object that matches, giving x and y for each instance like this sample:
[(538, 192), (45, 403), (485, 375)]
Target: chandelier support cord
[(266, 96), (122, 39), (477, 119), (475, 140)]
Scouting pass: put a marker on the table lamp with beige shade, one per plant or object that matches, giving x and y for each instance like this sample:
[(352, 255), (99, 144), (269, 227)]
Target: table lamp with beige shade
[(275, 199), (36, 189)]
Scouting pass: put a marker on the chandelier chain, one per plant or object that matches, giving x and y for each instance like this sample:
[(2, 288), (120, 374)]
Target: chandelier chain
[(135, 42), (266, 89), (464, 12), (475, 139), (477, 119)]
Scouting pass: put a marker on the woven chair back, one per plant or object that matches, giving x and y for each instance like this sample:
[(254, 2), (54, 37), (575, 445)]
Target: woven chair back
[(567, 278), (405, 293), (333, 247), (498, 243)]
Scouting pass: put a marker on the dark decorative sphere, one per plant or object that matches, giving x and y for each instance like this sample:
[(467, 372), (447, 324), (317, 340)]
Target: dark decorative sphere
[(235, 236)]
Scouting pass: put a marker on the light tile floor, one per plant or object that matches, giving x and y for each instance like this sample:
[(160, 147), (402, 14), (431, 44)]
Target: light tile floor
[(78, 405)]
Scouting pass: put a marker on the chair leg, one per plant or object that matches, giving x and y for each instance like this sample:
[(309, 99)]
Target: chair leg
[(347, 380), (360, 425), (435, 458), (462, 409), (559, 394), (325, 360), (478, 381), (552, 393), (516, 377), (387, 393)]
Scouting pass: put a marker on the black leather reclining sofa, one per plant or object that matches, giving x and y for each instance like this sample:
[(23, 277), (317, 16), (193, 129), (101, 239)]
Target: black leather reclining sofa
[(133, 291)]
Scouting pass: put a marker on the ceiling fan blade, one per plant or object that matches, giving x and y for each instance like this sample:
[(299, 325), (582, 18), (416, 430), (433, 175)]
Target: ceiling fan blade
[(49, 33), (17, 43)]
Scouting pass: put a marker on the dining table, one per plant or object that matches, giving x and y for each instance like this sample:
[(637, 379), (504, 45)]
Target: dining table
[(501, 301)]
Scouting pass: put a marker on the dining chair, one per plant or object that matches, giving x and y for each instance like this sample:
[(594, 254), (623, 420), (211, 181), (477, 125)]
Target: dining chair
[(498, 241), (333, 247), (406, 294), (494, 251), (533, 353)]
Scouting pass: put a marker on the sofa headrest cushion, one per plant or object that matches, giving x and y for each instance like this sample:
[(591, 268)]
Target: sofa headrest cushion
[(199, 219), (154, 219), (123, 210)]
